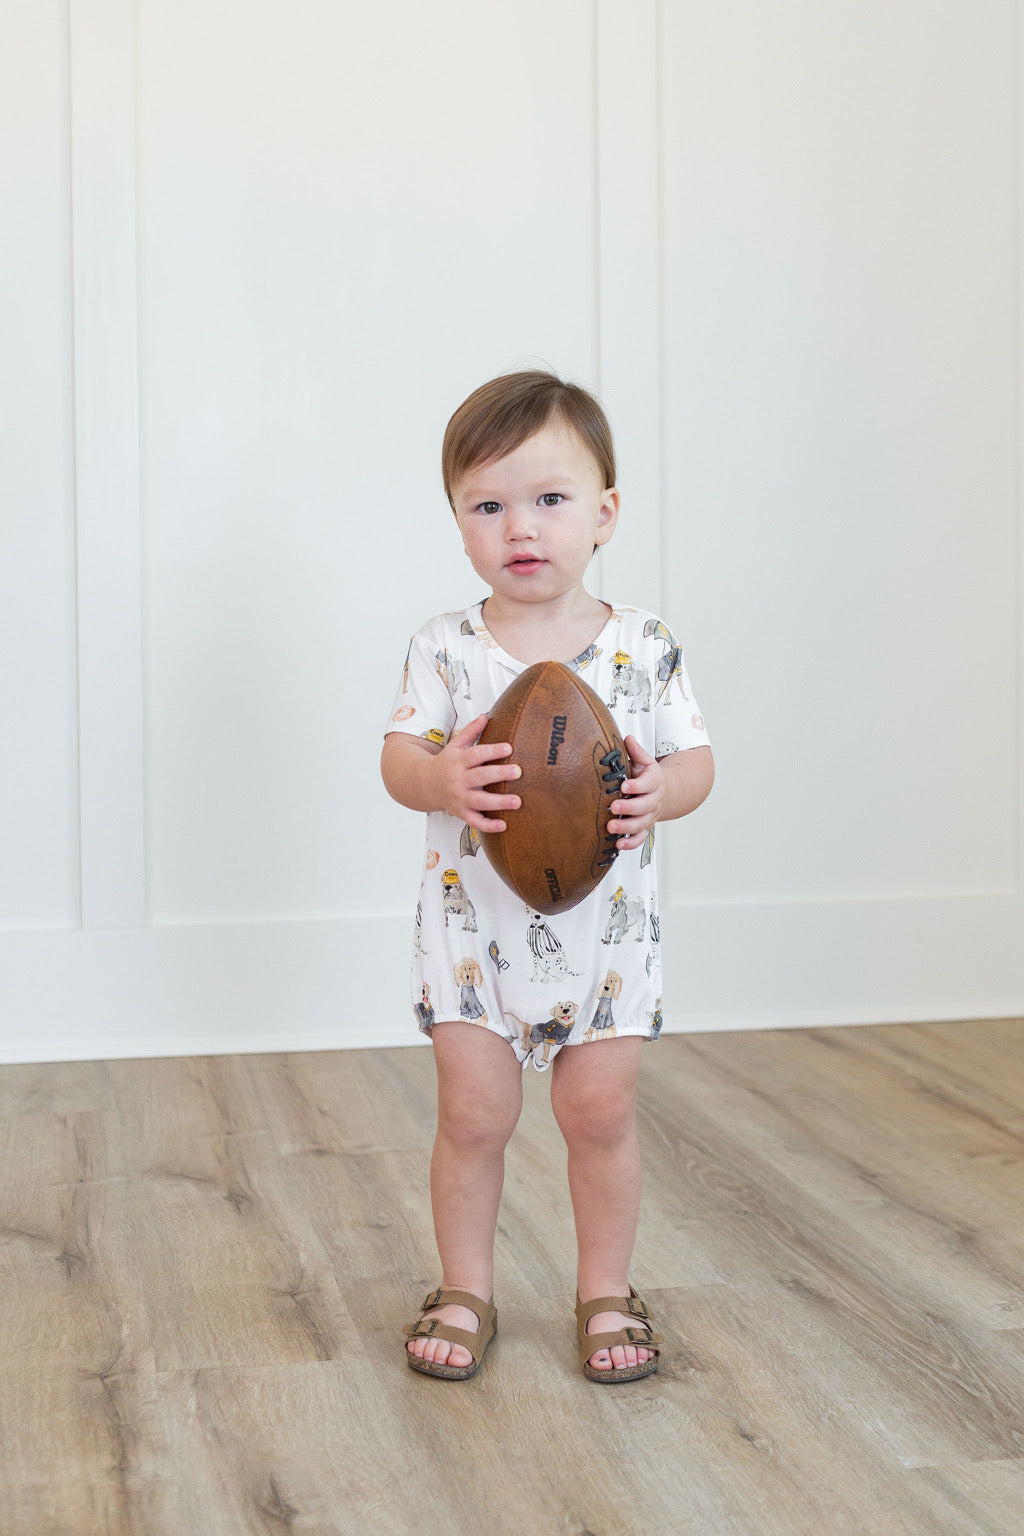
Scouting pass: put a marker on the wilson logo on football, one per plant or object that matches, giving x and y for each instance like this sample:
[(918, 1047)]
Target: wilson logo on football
[(557, 738)]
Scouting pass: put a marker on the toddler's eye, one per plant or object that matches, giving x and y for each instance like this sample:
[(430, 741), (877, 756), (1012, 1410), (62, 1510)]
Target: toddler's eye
[(489, 506), (551, 498)]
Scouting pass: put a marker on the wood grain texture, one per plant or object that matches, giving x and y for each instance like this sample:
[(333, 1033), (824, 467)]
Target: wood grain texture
[(207, 1262)]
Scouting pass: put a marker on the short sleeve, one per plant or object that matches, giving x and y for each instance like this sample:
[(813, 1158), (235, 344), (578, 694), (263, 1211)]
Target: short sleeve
[(678, 721), (422, 705)]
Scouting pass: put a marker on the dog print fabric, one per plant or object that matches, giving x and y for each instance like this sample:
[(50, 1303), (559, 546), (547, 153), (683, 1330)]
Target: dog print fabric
[(479, 954)]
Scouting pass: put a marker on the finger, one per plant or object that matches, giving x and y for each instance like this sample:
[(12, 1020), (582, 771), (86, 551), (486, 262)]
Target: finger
[(634, 831), (645, 782), (485, 823), (636, 803), (494, 773), (482, 800), (488, 751), (642, 784), (637, 753), (627, 816), (469, 733)]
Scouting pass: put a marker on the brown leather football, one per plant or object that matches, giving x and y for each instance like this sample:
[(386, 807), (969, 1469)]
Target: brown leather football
[(556, 847)]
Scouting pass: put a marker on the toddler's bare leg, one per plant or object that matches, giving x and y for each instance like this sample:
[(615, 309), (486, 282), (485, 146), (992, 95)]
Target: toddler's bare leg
[(593, 1095), (479, 1099)]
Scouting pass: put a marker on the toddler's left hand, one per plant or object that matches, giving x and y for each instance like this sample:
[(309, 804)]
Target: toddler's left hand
[(635, 815)]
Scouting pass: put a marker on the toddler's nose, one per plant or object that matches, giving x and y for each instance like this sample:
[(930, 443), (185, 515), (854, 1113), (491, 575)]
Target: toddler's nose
[(521, 524)]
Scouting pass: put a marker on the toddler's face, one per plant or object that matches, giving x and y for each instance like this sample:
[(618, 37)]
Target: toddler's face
[(530, 520)]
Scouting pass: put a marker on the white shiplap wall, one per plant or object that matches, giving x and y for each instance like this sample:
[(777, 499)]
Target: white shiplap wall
[(265, 251)]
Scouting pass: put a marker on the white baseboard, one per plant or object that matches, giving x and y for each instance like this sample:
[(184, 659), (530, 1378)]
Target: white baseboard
[(213, 989)]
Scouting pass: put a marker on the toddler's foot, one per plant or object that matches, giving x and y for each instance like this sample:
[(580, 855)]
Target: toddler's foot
[(439, 1350), (620, 1355)]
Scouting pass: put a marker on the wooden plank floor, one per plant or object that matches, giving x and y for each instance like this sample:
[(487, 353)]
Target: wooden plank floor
[(206, 1263)]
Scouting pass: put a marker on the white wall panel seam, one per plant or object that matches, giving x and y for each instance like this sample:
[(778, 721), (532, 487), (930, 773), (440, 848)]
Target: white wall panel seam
[(664, 605), (631, 316), (1018, 194), (599, 565), (595, 123), (107, 529), (659, 258), (75, 597)]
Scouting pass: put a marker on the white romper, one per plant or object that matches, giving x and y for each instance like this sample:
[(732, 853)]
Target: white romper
[(480, 954)]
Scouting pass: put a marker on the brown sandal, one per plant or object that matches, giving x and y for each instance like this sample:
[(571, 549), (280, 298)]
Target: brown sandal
[(434, 1328), (590, 1343)]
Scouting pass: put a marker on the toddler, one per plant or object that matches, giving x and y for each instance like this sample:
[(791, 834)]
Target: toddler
[(529, 469)]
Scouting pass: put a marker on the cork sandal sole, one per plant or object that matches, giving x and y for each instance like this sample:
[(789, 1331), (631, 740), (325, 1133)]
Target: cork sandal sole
[(590, 1343), (434, 1328), (627, 1373)]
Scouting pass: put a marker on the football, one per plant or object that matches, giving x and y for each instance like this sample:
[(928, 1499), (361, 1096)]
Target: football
[(556, 847)]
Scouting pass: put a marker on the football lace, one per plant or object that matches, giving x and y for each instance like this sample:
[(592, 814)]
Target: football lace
[(614, 779)]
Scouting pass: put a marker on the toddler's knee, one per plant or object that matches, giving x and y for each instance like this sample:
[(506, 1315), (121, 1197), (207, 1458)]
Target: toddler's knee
[(478, 1126), (595, 1117)]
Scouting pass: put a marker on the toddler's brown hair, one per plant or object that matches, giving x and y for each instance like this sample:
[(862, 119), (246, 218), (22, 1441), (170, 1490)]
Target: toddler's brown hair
[(499, 416)]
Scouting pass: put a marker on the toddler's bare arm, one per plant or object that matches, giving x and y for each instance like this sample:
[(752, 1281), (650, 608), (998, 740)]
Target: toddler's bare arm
[(689, 776)]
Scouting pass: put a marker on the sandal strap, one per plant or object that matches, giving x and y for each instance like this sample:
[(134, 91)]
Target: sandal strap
[(593, 1343), (434, 1328), (632, 1304), (440, 1298)]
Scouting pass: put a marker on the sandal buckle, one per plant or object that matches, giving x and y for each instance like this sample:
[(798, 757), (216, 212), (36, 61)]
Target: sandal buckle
[(638, 1335), (432, 1300), (637, 1308), (427, 1327)]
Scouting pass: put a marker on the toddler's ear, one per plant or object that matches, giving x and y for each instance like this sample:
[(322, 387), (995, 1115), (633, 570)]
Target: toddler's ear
[(608, 516)]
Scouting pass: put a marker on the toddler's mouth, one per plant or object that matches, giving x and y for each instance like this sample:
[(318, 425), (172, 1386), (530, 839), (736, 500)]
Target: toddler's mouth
[(526, 563)]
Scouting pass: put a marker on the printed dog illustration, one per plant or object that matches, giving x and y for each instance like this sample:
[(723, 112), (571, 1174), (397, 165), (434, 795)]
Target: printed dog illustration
[(423, 1010), (552, 1032), (627, 912), (546, 949), (455, 901), (603, 1023), (468, 978), (630, 680)]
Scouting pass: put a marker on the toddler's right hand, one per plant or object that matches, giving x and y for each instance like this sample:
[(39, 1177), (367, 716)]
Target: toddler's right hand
[(464, 769)]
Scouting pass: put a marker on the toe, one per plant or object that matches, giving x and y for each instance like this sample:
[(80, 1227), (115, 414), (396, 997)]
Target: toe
[(438, 1351), (619, 1356)]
